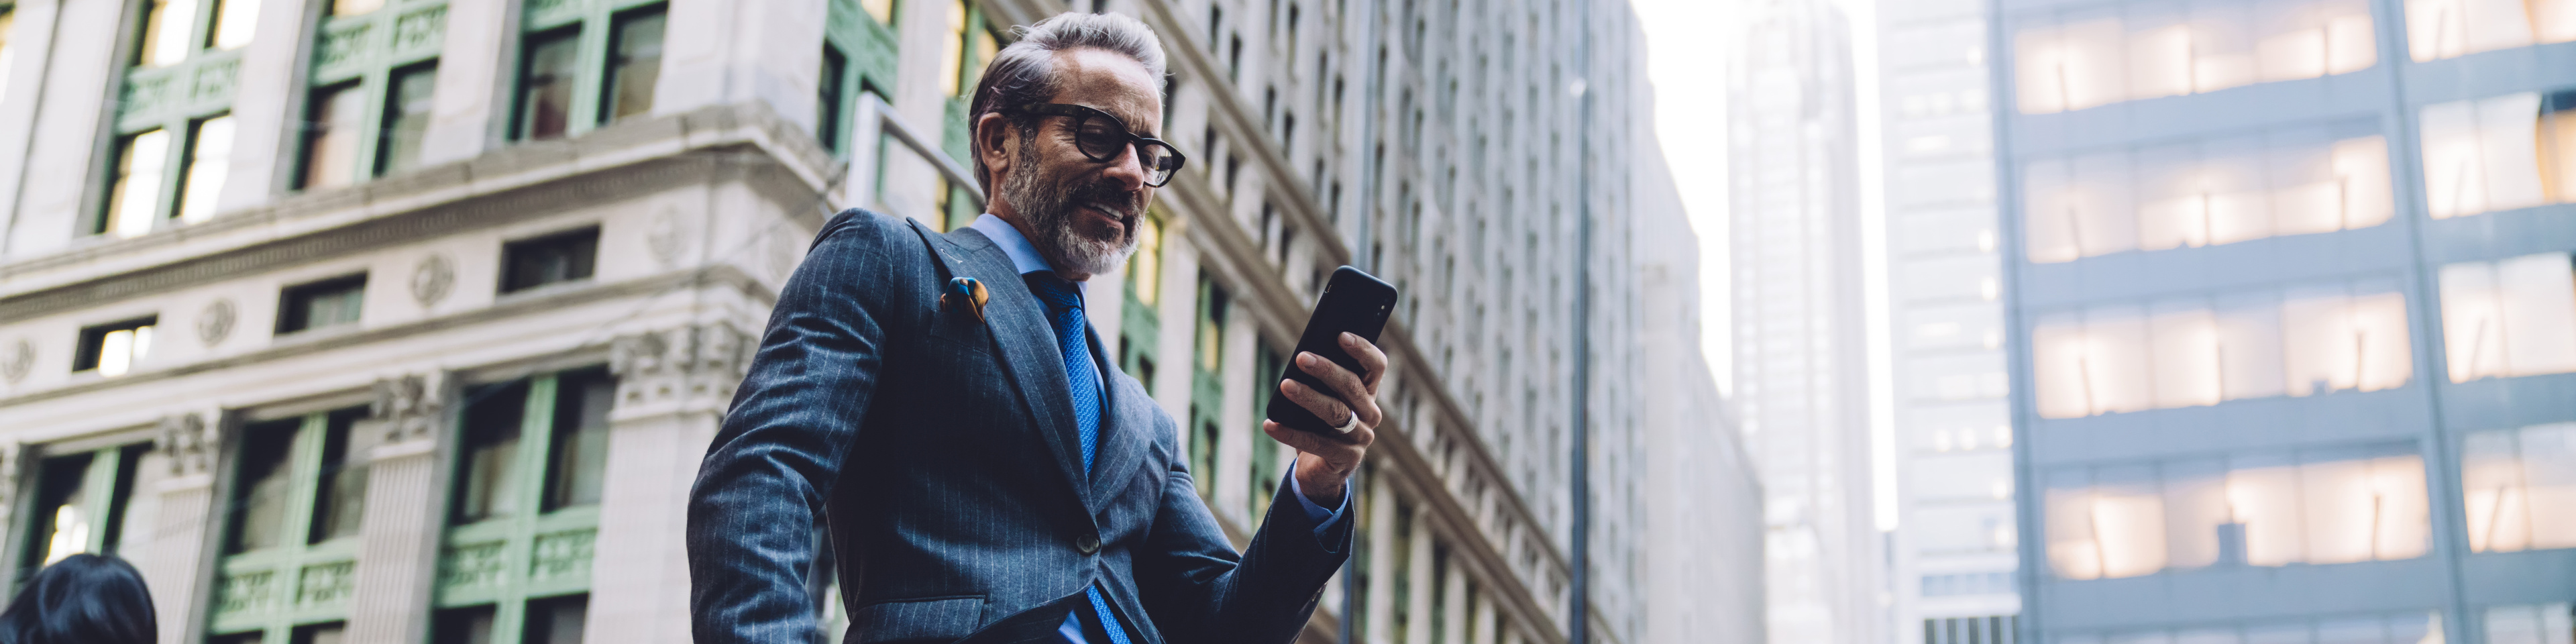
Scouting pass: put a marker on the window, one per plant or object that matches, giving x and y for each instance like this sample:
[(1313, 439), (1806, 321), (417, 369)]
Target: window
[(1207, 388), (531, 457), (1268, 464), (2516, 484), (2405, 627), (369, 107), (635, 64), (2532, 624), (98, 501), (561, 257), (2480, 157), (572, 78), (326, 303), (2314, 506), (173, 134), (1975, 583), (2288, 181), (406, 118), (2186, 352), (112, 349), (2509, 317), (1141, 331), (828, 99), (881, 10), (2438, 29), (333, 130), (546, 83), (2147, 50), (296, 499)]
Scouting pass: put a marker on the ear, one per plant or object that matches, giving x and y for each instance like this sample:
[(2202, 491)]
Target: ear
[(994, 142)]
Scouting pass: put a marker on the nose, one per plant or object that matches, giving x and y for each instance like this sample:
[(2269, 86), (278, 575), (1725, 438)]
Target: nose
[(1127, 169)]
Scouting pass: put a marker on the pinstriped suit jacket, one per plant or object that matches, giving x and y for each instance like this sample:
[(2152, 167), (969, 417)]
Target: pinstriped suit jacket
[(944, 452)]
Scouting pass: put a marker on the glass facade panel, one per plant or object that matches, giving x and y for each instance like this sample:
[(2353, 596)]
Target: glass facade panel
[(210, 151), (2510, 317), (2314, 506), (334, 131), (2223, 190), (2183, 352), (2516, 485), (546, 84), (635, 64), (2158, 48)]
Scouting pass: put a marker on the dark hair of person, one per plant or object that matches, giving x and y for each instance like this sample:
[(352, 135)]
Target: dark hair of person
[(84, 599)]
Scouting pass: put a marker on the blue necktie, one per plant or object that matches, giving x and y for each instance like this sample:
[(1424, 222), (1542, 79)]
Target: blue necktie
[(1064, 311)]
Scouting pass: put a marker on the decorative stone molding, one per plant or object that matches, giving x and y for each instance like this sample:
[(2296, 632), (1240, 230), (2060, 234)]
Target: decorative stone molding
[(185, 440), (408, 407), (20, 359), (431, 281), (216, 322), (689, 368)]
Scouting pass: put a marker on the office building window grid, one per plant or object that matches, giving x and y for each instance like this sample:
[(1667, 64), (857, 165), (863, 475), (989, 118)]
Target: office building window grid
[(2083, 58), (2285, 181), (2317, 506), (375, 73), (2438, 29), (2516, 485), (2383, 628), (2188, 351), (2509, 317), (2499, 153), (529, 465), (584, 64), (94, 500)]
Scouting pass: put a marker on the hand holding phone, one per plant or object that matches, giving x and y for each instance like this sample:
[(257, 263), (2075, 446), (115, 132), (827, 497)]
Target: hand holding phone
[(1353, 302)]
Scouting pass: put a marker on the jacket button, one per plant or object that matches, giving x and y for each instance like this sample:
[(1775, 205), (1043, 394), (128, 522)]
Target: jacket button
[(1088, 543)]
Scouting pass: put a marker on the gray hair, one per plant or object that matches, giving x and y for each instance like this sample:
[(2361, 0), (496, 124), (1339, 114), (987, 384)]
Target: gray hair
[(1024, 72)]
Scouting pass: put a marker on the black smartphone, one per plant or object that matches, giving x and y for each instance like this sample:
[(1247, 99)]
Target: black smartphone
[(1353, 302)]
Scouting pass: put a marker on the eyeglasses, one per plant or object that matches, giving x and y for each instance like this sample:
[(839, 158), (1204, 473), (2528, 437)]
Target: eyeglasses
[(1100, 136)]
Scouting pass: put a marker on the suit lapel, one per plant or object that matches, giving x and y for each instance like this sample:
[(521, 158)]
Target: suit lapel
[(1029, 353), (1122, 429)]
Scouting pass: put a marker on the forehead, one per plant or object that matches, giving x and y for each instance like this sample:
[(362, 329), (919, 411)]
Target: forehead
[(1112, 83)]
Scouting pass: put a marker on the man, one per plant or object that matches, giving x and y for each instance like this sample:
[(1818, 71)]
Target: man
[(984, 469)]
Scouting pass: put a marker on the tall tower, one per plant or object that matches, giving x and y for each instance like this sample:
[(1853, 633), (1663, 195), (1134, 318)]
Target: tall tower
[(1799, 352), (1951, 560)]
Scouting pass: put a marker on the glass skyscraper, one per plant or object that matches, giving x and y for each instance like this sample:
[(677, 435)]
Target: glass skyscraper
[(2292, 317)]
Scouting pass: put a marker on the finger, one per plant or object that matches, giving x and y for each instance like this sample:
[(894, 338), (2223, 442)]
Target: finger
[(1305, 442), (1323, 406), (1341, 382), (1372, 361)]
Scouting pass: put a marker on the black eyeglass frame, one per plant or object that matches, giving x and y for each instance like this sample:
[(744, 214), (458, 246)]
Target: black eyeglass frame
[(1082, 113)]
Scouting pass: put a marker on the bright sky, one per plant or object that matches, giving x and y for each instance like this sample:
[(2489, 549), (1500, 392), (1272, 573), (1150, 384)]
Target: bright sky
[(1689, 74), (1687, 42)]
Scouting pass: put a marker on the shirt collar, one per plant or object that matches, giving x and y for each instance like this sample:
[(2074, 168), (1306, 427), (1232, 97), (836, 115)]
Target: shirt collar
[(1024, 255)]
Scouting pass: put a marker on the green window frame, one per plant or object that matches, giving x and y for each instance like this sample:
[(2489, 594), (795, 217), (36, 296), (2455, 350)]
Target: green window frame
[(375, 71), (1400, 571), (1266, 461), (968, 42), (1140, 331), (860, 34), (523, 511), (287, 559), (95, 500), (584, 64), (1207, 390), (173, 110)]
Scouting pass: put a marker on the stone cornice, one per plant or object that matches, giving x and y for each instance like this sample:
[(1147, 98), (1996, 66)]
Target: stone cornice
[(695, 277), (505, 185)]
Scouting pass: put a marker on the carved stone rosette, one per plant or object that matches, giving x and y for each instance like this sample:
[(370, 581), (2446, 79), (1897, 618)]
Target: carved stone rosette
[(408, 407), (692, 368), (186, 442)]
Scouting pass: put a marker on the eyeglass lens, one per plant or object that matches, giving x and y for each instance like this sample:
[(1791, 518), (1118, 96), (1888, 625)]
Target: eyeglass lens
[(1100, 139)]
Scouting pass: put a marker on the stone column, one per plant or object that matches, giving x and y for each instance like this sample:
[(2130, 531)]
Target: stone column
[(1381, 544), (475, 71), (83, 74), (672, 388), (264, 105), (182, 535), (743, 51), (399, 534)]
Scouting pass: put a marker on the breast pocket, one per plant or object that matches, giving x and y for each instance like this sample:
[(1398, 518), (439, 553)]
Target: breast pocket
[(923, 620)]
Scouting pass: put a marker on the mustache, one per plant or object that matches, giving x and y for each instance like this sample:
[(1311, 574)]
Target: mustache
[(1126, 204)]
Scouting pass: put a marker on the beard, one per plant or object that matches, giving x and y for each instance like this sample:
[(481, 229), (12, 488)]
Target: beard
[(1053, 207)]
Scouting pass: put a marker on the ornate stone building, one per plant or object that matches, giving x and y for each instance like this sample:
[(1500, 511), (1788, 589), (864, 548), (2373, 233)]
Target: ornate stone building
[(409, 320)]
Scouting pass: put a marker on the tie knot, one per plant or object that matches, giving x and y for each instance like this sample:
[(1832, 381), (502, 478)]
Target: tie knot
[(1056, 292)]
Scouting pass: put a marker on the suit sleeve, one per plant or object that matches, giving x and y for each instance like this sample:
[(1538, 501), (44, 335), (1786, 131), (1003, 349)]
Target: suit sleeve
[(754, 505), (1199, 590)]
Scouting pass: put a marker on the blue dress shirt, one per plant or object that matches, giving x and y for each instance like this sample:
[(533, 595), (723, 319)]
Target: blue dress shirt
[(1026, 259)]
